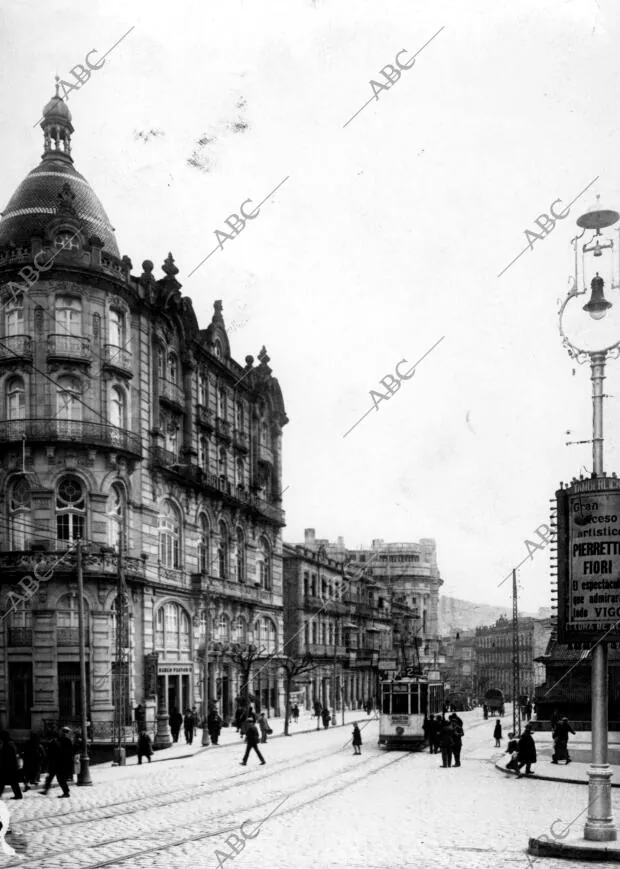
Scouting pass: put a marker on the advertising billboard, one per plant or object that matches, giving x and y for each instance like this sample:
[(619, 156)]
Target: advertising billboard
[(588, 560)]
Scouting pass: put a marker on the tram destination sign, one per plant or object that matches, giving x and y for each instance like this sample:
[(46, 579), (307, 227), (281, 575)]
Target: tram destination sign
[(588, 559)]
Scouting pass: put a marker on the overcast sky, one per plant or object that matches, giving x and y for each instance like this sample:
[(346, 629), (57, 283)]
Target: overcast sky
[(387, 235)]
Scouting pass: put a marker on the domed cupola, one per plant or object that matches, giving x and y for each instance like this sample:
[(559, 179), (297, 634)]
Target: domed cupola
[(37, 200)]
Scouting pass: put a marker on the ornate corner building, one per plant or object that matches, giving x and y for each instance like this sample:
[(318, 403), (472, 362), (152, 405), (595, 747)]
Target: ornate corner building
[(125, 425)]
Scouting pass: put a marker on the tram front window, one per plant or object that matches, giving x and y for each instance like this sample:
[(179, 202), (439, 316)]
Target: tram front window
[(414, 700), (399, 704), (386, 703)]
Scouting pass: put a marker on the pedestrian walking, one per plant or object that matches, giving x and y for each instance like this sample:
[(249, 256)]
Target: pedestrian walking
[(264, 727), (9, 766), (145, 749), (497, 733), (513, 751), (176, 720), (214, 725), (60, 762), (189, 725), (446, 741), (34, 758), (357, 739), (140, 717), (435, 734), (296, 714), (485, 711), (326, 717), (528, 710), (526, 751), (251, 742), (560, 741), (457, 740), (427, 727)]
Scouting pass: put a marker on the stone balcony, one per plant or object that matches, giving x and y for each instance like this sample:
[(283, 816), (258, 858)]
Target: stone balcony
[(171, 393), (82, 433), (70, 348), (15, 348), (117, 359)]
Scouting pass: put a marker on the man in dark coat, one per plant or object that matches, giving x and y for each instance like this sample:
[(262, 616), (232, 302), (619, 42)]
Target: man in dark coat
[(446, 741), (214, 725), (140, 716), (145, 749), (176, 720), (251, 741), (357, 739), (188, 726), (513, 750), (34, 758), (9, 767), (434, 733), (457, 739), (428, 728), (526, 751), (60, 762), (560, 741), (326, 717)]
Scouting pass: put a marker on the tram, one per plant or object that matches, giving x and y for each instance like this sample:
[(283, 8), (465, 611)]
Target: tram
[(405, 704)]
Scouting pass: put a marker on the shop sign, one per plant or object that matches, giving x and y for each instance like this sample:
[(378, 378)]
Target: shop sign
[(588, 559), (170, 669)]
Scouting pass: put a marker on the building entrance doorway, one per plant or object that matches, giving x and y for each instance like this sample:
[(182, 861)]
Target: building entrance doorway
[(20, 695)]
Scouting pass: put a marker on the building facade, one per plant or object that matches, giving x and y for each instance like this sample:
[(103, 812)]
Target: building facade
[(459, 668), (342, 619), (494, 655), (125, 425)]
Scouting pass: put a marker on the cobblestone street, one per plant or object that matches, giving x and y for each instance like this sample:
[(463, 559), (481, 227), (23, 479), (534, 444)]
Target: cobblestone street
[(382, 809)]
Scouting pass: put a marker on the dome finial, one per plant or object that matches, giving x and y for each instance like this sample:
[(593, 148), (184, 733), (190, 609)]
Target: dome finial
[(57, 86)]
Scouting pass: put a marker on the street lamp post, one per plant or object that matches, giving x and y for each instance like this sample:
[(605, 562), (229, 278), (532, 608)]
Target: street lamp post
[(599, 825), (84, 778), (205, 687)]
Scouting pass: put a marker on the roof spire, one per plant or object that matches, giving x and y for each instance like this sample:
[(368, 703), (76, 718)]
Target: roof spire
[(57, 128)]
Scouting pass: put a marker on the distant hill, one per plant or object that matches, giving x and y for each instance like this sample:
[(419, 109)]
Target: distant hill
[(465, 615)]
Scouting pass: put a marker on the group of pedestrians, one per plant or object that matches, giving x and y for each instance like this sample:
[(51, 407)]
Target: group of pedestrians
[(190, 720), (445, 735), (58, 760)]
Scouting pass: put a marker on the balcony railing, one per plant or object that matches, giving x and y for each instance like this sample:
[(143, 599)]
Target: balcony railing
[(45, 430), (118, 358), (15, 347), (206, 417), (171, 392), (73, 347), (20, 636)]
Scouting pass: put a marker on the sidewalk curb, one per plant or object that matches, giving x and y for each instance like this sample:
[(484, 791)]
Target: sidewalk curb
[(596, 851), (570, 781)]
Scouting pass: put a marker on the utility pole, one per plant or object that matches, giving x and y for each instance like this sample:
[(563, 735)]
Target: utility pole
[(84, 776), (121, 669), (516, 690)]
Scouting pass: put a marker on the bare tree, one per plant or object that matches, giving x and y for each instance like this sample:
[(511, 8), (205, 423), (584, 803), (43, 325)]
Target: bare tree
[(245, 656), (294, 667)]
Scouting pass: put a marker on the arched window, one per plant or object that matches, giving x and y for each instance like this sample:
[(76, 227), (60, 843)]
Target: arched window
[(161, 363), (203, 544), (217, 348), (68, 315), (240, 472), (221, 462), (171, 427), (223, 551), (240, 555), (14, 317), (66, 241), (203, 454), (70, 511), (116, 513), (238, 630), (21, 617), (264, 433), (265, 634), (67, 615), (15, 399), (116, 329), (221, 402), (240, 416), (173, 368), (20, 524), (68, 406), (118, 411), (203, 389), (263, 562), (172, 628), (169, 535), (223, 629)]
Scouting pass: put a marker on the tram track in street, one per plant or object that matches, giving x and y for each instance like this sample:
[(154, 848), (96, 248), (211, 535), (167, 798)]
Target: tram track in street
[(44, 861), (194, 791)]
